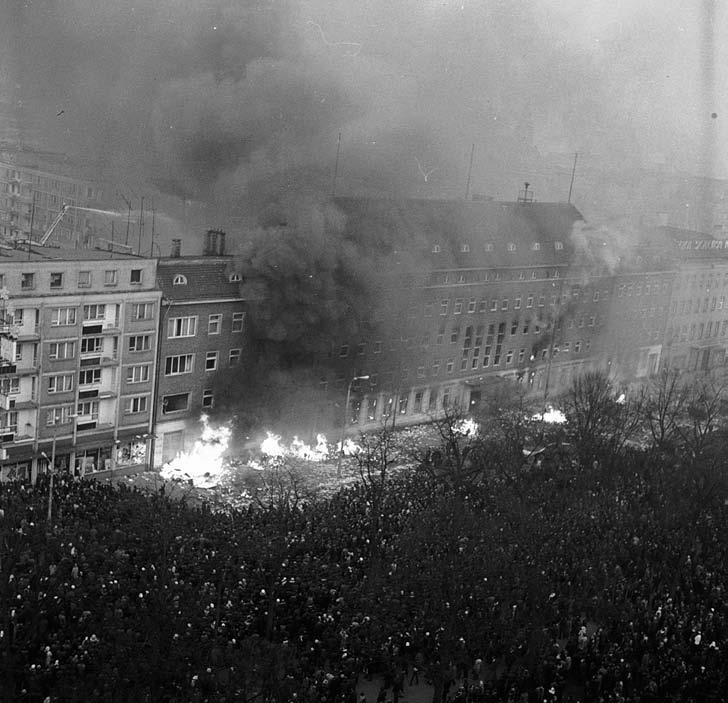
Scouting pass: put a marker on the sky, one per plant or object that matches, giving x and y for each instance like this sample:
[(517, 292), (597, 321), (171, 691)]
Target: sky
[(223, 102)]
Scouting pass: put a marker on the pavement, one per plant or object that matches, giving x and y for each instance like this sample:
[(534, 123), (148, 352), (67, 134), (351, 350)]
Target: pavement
[(417, 693)]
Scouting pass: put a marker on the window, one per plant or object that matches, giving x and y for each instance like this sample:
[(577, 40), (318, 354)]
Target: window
[(63, 317), (10, 385), (175, 365), (94, 312), (110, 277), (84, 279), (595, 297), (27, 281), (235, 278), (175, 403), (465, 248), (137, 374), (472, 303), (558, 246), (541, 301), (182, 327), (88, 377), (88, 408), (135, 404), (60, 383), (211, 361), (511, 246), (458, 307), (234, 358), (504, 304), (59, 416), (489, 246), (444, 306), (238, 321), (529, 301), (493, 305), (16, 317), (207, 398), (56, 280), (214, 323), (179, 280), (536, 246), (454, 334), (436, 249), (135, 276), (344, 351), (517, 303), (91, 345), (509, 356), (62, 350), (450, 366), (577, 346), (143, 311), (140, 343)]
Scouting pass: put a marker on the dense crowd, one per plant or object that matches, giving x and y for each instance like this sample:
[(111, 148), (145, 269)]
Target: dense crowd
[(565, 585)]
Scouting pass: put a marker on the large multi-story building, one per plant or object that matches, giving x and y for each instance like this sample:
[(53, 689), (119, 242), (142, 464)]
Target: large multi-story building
[(80, 384), (35, 185), (201, 333)]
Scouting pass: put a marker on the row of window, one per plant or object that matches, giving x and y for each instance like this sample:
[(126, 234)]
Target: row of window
[(510, 246), (686, 307), (64, 382), (473, 305), (486, 275), (629, 289), (187, 326), (57, 279), (185, 363), (700, 330), (181, 280)]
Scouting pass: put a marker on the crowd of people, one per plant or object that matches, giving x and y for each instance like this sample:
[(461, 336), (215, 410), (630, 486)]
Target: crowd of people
[(565, 585)]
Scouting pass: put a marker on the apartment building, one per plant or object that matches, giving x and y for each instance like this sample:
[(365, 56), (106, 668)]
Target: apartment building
[(201, 341), (80, 383), (34, 186)]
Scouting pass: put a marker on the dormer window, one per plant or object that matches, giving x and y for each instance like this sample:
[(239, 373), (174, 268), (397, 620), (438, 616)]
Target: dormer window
[(489, 246), (558, 246), (511, 246), (179, 280), (536, 246), (465, 248), (235, 278), (435, 248)]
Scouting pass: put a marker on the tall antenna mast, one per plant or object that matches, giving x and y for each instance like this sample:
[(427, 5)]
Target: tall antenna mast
[(141, 225), (336, 166), (573, 171), (470, 172)]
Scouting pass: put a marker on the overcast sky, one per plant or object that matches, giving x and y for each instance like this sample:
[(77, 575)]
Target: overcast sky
[(213, 97)]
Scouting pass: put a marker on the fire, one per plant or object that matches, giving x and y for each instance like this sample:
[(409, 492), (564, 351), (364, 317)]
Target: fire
[(274, 448), (203, 464), (468, 427), (551, 416)]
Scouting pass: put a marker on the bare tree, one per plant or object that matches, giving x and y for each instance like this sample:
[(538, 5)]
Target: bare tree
[(664, 403)]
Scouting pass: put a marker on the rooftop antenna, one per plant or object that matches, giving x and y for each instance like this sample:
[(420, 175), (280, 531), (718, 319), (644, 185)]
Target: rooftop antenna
[(128, 216), (336, 166), (141, 226), (470, 172), (154, 212), (573, 171)]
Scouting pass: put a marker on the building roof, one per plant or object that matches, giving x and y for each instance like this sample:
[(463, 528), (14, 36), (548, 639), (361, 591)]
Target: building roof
[(207, 278), (40, 254), (465, 234)]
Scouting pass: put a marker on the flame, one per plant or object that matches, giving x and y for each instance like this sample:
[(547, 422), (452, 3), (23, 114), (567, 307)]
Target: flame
[(203, 464), (468, 427), (273, 448), (551, 416)]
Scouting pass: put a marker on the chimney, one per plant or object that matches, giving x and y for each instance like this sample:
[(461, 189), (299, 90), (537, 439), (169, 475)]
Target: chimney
[(211, 246), (176, 248), (221, 243)]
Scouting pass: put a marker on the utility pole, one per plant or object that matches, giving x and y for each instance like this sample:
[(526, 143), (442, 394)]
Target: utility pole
[(470, 172), (141, 226), (573, 171), (336, 166)]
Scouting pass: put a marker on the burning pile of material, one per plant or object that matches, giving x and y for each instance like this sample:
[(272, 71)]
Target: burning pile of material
[(551, 415), (273, 448), (204, 464)]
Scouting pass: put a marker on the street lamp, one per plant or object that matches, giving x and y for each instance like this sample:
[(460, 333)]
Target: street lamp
[(346, 417)]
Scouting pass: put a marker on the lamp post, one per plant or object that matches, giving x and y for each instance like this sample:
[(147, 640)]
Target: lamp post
[(52, 468), (346, 417)]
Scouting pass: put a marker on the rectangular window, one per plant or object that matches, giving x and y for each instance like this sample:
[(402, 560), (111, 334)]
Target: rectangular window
[(56, 280), (91, 345), (176, 365), (529, 301), (62, 317), (207, 398), (84, 279), (61, 350), (140, 343), (27, 281), (214, 324), (59, 416), (137, 374), (182, 327), (454, 334), (175, 403), (136, 404), (60, 383), (94, 312), (10, 385), (450, 366), (472, 304), (541, 301), (88, 377), (110, 277), (458, 307), (143, 311), (88, 408), (517, 303), (234, 358), (377, 347), (211, 361), (444, 306), (135, 276), (504, 304), (493, 305), (509, 356)]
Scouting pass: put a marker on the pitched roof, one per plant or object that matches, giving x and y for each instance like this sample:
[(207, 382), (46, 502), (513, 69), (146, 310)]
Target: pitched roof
[(207, 278), (465, 234)]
